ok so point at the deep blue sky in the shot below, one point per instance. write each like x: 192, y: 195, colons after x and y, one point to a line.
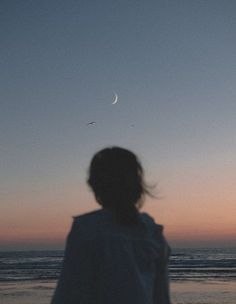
x: 172, y: 63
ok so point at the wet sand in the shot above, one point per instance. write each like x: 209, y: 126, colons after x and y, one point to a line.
x: 33, y: 292
x: 212, y: 292
x: 183, y: 292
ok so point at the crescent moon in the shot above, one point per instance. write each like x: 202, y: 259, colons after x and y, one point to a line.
x: 115, y: 99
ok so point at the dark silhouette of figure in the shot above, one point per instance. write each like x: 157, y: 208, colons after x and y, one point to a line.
x: 115, y: 255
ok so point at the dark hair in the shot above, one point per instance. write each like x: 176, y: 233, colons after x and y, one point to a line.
x: 116, y: 178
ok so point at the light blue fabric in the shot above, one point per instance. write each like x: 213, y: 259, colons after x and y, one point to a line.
x: 109, y: 263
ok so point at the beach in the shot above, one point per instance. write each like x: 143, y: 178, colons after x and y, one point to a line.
x: 190, y: 292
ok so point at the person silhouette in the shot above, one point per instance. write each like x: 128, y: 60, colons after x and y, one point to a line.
x: 115, y: 254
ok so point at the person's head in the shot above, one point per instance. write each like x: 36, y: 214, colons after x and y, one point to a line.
x: 116, y: 178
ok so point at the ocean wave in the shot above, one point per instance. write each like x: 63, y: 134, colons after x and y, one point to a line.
x: 185, y: 264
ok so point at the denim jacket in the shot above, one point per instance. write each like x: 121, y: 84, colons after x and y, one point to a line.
x: 109, y: 263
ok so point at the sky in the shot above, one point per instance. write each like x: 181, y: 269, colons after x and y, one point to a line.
x: 172, y: 64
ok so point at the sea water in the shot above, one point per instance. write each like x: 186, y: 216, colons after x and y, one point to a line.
x: 206, y: 275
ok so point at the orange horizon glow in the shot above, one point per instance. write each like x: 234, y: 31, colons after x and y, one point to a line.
x: 48, y: 232
x: 194, y: 210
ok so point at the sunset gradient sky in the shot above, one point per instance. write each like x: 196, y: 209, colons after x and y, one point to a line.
x: 173, y: 65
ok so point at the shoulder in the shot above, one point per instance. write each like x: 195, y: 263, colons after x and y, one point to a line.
x: 88, y: 223
x: 89, y: 216
x: 156, y: 231
x: 147, y: 219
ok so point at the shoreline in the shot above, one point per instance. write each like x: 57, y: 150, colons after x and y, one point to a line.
x: 182, y: 292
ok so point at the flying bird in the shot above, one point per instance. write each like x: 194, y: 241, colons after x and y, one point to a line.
x: 91, y: 123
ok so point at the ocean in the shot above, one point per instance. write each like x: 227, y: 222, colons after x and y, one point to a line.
x: 210, y: 273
